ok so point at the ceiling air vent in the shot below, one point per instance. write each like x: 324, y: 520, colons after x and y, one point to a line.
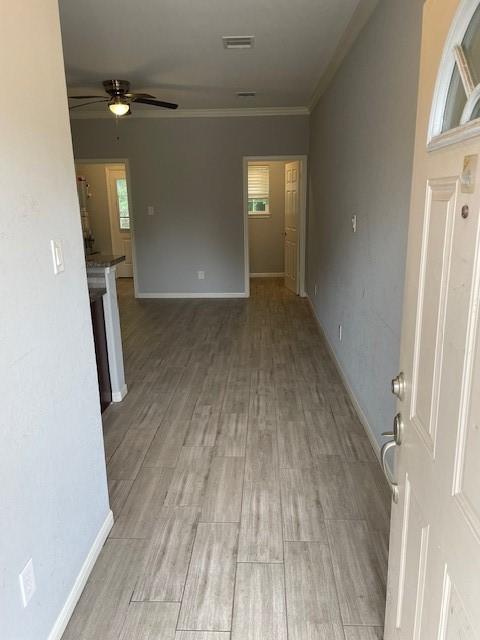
x: 246, y: 94
x: 238, y: 42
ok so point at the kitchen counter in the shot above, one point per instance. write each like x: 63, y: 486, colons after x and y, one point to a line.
x: 103, y: 260
x: 96, y: 293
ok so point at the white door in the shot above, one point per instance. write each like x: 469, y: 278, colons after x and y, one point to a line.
x: 434, y: 568
x: 120, y: 218
x: 292, y: 203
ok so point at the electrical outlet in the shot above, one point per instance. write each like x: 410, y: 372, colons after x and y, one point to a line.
x: 151, y: 210
x: 201, y: 275
x: 315, y: 289
x: 354, y: 223
x: 27, y: 583
x: 57, y: 256
x: 340, y: 332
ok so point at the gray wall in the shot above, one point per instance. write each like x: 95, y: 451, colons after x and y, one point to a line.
x: 53, y: 491
x: 265, y: 235
x: 190, y: 170
x: 361, y: 149
x: 98, y: 210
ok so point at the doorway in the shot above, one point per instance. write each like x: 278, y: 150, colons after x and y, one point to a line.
x: 275, y: 219
x: 105, y: 201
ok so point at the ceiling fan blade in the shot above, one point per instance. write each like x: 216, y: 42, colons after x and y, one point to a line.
x: 84, y: 97
x: 156, y: 103
x: 134, y: 96
x: 84, y: 104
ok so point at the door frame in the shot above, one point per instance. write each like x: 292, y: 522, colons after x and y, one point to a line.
x: 302, y: 221
x: 113, y: 210
x: 126, y: 163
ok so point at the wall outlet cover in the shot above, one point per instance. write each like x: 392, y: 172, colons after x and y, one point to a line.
x: 201, y: 275
x: 27, y: 583
x: 151, y: 210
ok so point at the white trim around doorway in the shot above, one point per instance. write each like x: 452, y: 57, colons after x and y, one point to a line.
x: 302, y: 236
x: 125, y: 162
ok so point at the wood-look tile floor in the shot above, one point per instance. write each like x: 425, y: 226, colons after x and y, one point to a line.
x: 248, y: 502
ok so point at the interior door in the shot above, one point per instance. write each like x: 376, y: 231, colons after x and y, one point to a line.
x: 120, y: 219
x: 434, y: 567
x: 292, y: 203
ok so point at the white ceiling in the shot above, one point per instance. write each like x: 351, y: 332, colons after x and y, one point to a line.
x: 173, y: 48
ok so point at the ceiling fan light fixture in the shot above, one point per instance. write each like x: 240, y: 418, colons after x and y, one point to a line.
x: 119, y: 106
x: 119, y: 98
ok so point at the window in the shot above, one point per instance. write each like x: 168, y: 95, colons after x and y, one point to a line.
x: 456, y: 105
x: 456, y: 102
x: 464, y: 85
x: 122, y: 199
x: 258, y: 190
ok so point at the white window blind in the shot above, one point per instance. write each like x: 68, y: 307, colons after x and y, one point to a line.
x: 259, y: 182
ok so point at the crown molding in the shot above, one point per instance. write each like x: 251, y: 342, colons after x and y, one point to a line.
x: 360, y: 17
x: 196, y: 113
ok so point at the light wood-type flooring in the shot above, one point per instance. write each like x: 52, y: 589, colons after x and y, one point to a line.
x: 248, y: 502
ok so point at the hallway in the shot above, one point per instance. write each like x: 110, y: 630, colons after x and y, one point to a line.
x: 248, y: 502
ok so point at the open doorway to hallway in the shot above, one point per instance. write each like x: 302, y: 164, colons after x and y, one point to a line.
x: 105, y: 205
x: 275, y: 219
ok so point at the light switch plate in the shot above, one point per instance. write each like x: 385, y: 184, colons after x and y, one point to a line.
x: 57, y: 256
x: 354, y: 223
x: 151, y: 210
x: 27, y: 582
x: 201, y: 275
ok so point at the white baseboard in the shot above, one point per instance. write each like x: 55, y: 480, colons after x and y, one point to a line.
x: 118, y: 396
x: 267, y: 275
x: 191, y: 295
x: 80, y: 581
x: 358, y: 409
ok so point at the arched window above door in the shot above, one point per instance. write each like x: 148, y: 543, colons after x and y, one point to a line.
x: 456, y: 105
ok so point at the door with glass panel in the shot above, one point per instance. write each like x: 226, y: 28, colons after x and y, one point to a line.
x: 292, y: 200
x: 434, y: 567
x: 120, y: 218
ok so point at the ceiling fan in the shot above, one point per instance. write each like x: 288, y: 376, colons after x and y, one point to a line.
x: 120, y: 98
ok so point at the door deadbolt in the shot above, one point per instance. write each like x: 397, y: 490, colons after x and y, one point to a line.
x: 398, y: 386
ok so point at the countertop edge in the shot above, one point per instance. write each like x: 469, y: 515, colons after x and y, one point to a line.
x: 101, y: 260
